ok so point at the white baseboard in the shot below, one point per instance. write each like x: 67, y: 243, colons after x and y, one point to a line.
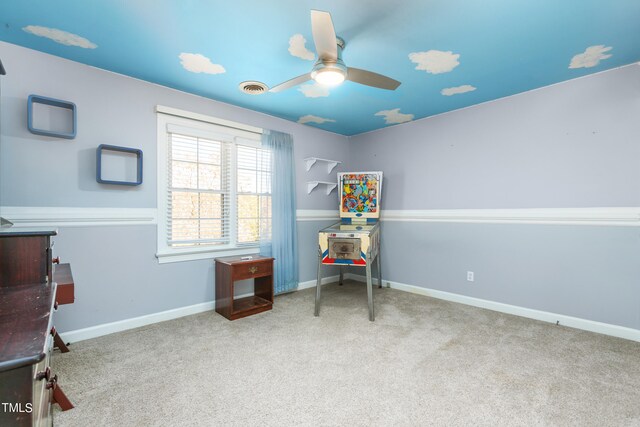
x: 572, y: 322
x: 312, y: 283
x: 545, y: 316
x: 135, y: 322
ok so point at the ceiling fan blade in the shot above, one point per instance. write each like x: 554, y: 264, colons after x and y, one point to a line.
x: 324, y: 35
x: 291, y: 83
x: 371, y: 79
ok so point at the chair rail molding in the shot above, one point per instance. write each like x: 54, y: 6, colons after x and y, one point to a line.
x: 31, y: 216
x: 611, y: 216
x: 316, y: 214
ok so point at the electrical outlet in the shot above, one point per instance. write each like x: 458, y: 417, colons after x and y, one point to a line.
x: 469, y: 276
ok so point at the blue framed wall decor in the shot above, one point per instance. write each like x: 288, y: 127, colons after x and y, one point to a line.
x: 36, y: 99
x: 99, y: 167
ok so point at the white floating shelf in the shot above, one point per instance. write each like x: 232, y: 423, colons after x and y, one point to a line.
x: 310, y: 161
x: 313, y: 184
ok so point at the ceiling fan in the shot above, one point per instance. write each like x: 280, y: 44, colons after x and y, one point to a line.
x: 329, y: 69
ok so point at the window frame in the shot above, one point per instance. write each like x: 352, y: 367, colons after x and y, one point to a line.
x: 222, y: 130
x: 237, y: 194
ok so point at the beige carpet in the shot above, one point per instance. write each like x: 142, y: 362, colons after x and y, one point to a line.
x: 422, y: 362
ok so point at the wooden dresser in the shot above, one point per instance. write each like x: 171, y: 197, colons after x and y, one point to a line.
x: 28, y: 296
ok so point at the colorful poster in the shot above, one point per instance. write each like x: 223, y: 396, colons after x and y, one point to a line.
x: 360, y: 194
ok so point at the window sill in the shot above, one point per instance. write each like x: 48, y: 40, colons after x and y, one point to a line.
x: 178, y: 255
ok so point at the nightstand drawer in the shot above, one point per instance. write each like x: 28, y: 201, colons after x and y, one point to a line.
x: 233, y: 268
x: 252, y: 269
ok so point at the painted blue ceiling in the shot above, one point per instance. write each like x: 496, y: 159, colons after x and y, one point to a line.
x: 448, y: 54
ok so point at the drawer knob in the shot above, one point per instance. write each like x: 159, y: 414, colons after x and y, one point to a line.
x: 53, y: 382
x: 253, y: 270
x: 44, y: 375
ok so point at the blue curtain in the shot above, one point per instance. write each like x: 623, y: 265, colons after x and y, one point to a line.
x: 283, y: 245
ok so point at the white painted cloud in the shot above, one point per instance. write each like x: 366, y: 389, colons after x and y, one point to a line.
x: 394, y: 116
x: 457, y: 90
x: 590, y: 57
x: 197, y: 63
x: 314, y: 90
x: 297, y: 47
x: 313, y: 119
x: 59, y: 36
x: 435, y: 61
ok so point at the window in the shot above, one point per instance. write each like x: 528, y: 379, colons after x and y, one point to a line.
x: 253, y: 194
x: 214, y: 189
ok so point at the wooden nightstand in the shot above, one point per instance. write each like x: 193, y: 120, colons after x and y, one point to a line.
x: 233, y: 268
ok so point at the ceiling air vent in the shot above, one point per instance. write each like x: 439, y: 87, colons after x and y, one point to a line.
x: 253, y: 88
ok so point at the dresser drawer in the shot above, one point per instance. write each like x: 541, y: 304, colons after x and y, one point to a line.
x: 252, y: 269
x: 62, y: 276
x: 65, y: 294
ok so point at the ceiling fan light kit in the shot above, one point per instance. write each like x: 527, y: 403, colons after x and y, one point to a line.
x: 329, y: 74
x: 330, y: 70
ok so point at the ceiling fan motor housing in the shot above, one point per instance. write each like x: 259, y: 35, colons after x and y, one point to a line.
x: 330, y: 65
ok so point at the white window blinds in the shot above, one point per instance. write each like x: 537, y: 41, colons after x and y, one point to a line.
x: 219, y: 190
x: 253, y: 194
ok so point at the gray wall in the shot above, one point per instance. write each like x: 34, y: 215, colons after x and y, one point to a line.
x: 586, y: 272
x: 117, y: 274
x: 571, y: 145
x: 118, y: 110
x: 575, y: 144
x: 118, y: 277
